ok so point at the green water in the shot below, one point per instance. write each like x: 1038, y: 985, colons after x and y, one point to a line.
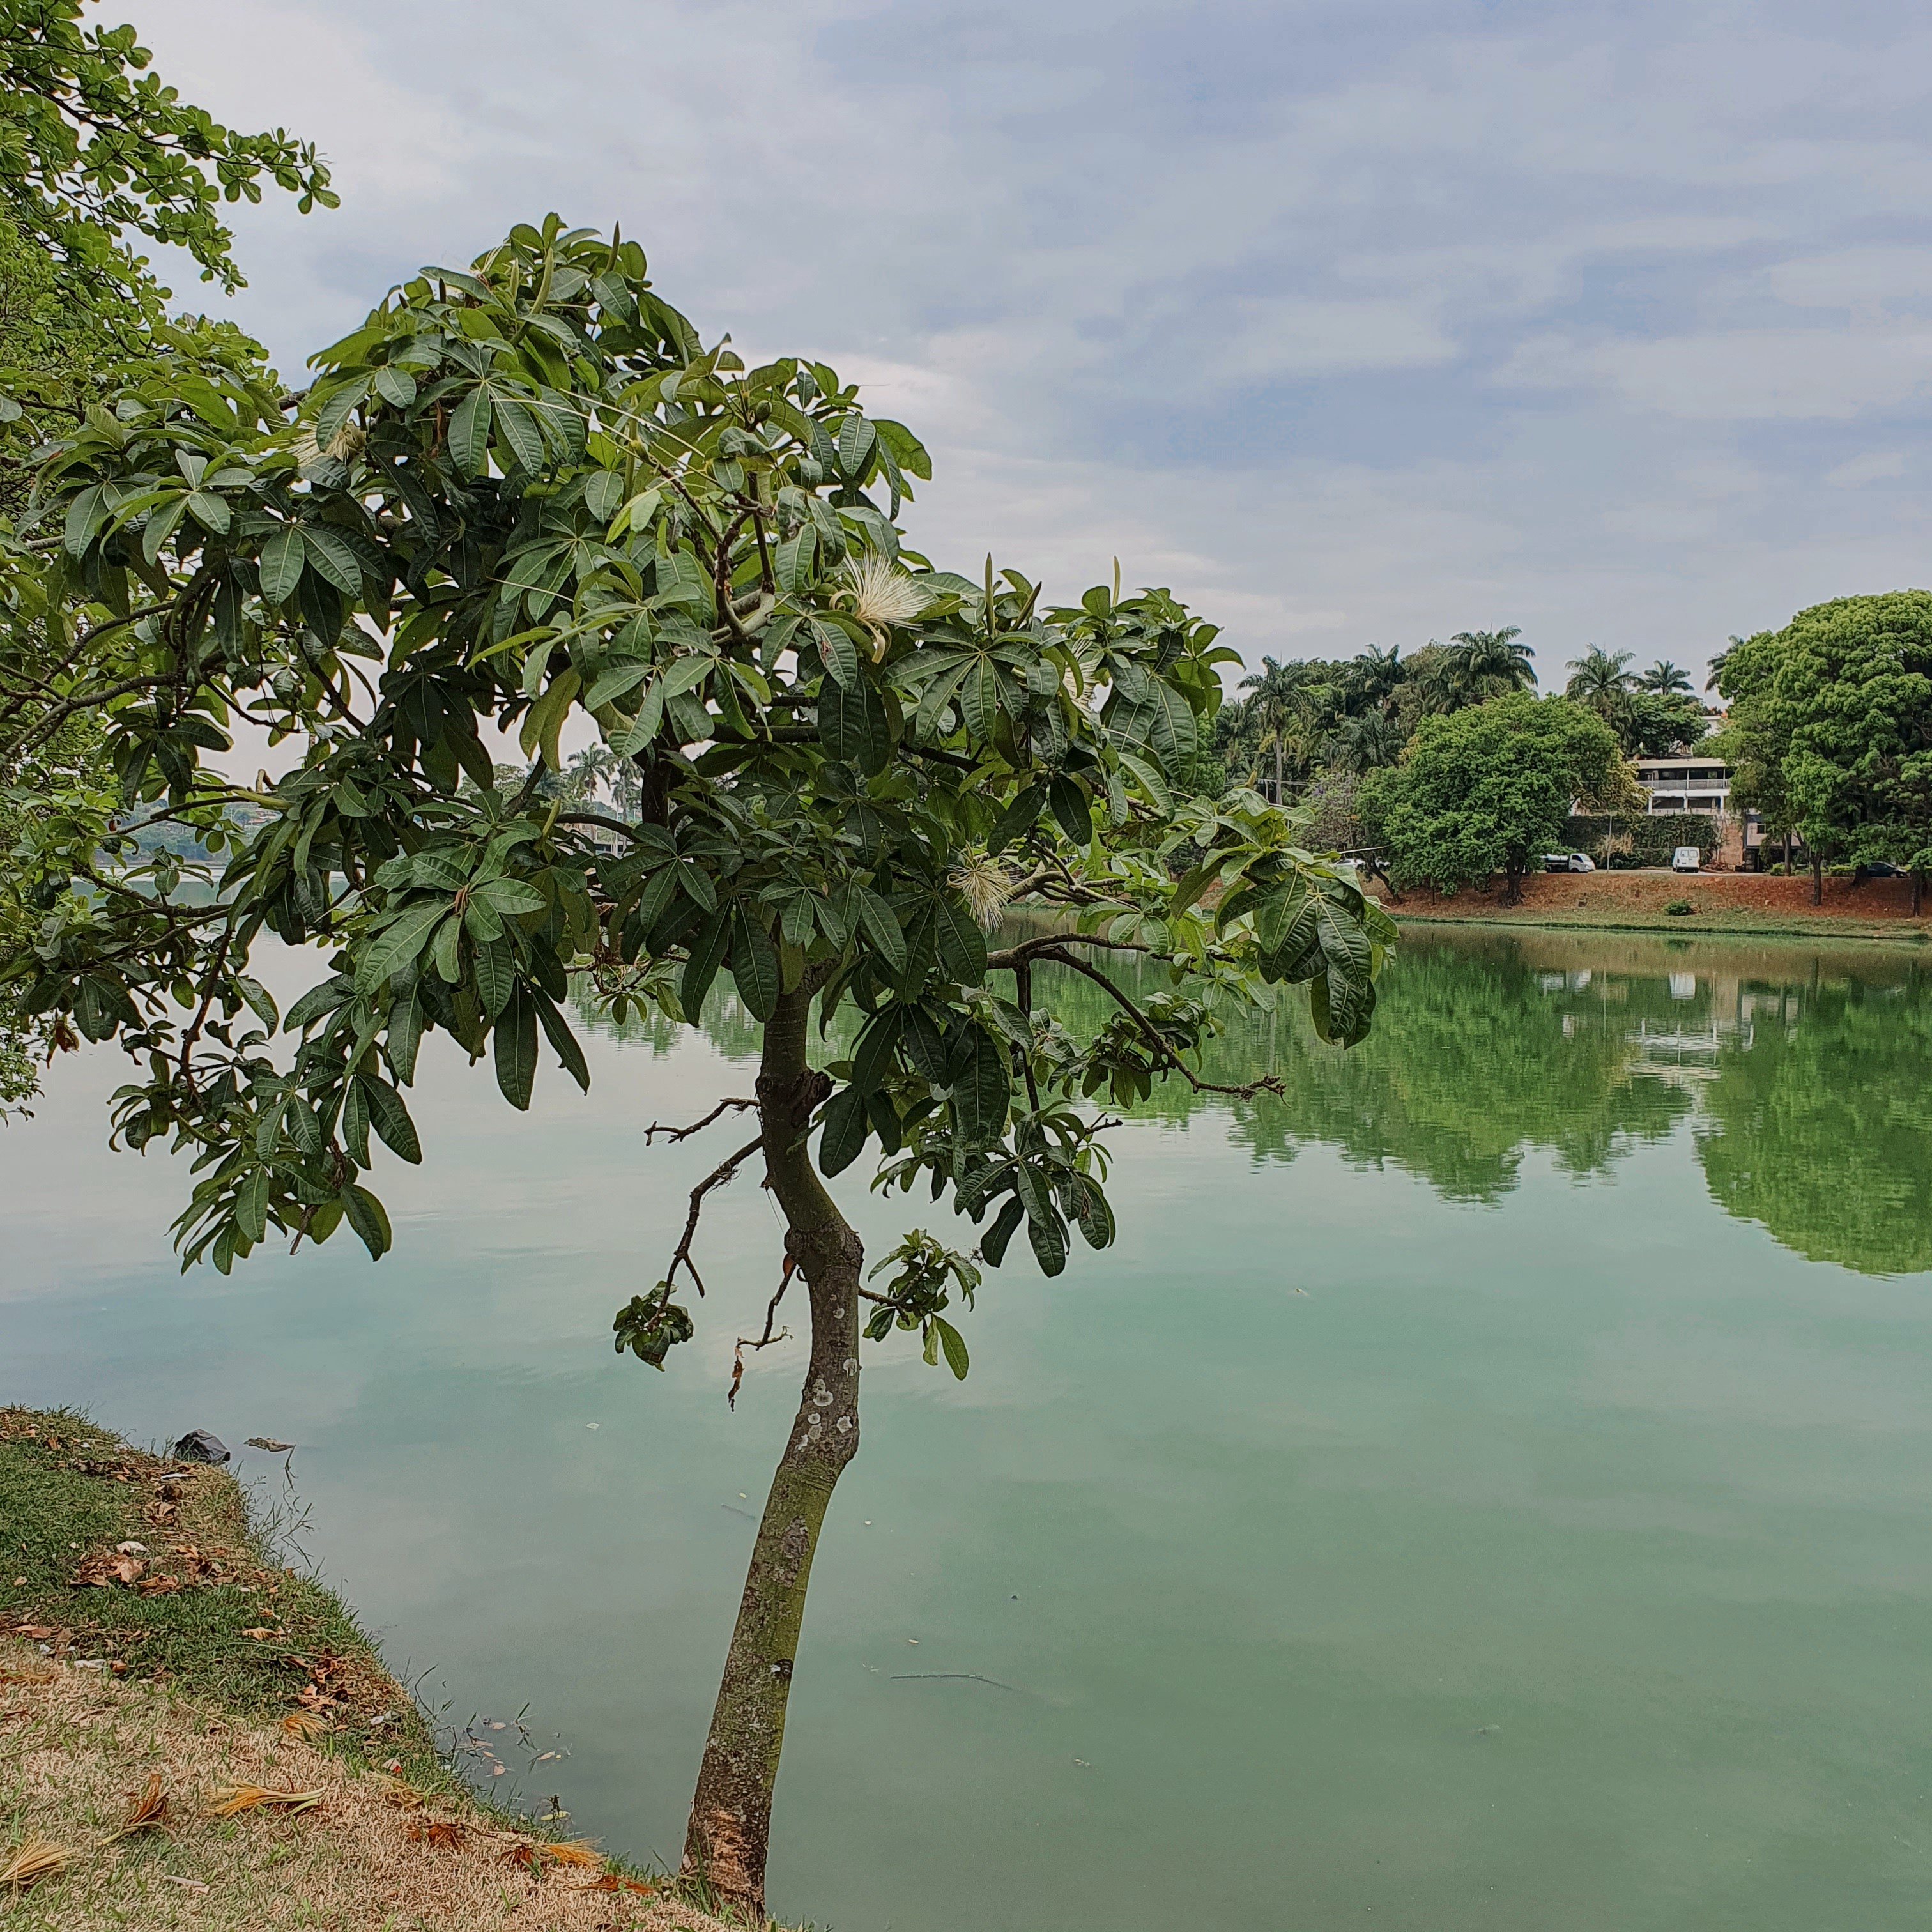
x: 1488, y: 1487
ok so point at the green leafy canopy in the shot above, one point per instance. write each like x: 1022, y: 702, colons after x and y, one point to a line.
x: 527, y: 496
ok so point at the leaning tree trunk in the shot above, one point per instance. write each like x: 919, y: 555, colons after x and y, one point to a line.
x: 726, y: 1840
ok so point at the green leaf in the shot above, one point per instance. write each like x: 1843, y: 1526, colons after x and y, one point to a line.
x: 510, y: 897
x: 334, y: 560
x: 251, y: 1205
x: 620, y: 681
x: 856, y: 438
x: 563, y: 1042
x: 282, y: 559
x: 397, y: 944
x: 853, y: 725
x: 396, y: 386
x: 1070, y: 807
x: 962, y: 946
x: 754, y: 966
x: 259, y: 1002
x: 1049, y: 1238
x: 391, y: 1120
x: 707, y: 955
x: 496, y: 975
x: 839, y: 654
x: 872, y: 1057
x: 1019, y: 818
x: 520, y: 435
x: 516, y: 1042
x: 982, y: 1090
x: 954, y: 1343
x: 365, y: 1215
x: 470, y: 433
x: 881, y: 927
x: 209, y: 511
x: 993, y: 1244
x: 846, y: 1129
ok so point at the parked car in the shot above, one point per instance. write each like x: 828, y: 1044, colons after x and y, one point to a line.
x: 1686, y: 858
x: 1880, y: 868
x: 1568, y: 862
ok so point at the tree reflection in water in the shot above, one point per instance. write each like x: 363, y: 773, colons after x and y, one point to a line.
x: 1802, y: 1072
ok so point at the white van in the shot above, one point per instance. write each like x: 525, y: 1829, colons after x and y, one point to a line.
x: 1685, y: 859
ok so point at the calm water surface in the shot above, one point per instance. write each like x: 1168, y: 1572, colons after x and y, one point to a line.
x: 1490, y: 1487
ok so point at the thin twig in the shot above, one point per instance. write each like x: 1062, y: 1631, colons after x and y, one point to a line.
x: 717, y: 1178
x: 765, y: 1340
x: 675, y: 1134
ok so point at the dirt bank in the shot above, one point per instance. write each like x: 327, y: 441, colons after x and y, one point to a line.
x: 192, y: 1735
x: 1719, y: 901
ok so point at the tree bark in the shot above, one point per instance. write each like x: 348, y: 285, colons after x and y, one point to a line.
x: 1817, y: 878
x: 729, y: 1833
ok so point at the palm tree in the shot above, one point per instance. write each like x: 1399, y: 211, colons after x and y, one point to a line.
x: 1376, y: 674
x: 1274, y: 708
x: 1601, y: 681
x: 1490, y: 663
x: 587, y: 770
x: 1664, y: 679
x: 1360, y: 744
x: 1717, y: 670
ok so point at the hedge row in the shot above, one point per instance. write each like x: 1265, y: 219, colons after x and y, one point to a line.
x: 1650, y: 840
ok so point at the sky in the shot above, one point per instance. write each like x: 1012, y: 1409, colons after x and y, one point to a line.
x: 1353, y: 321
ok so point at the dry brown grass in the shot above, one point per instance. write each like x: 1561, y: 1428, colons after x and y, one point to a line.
x: 79, y: 1749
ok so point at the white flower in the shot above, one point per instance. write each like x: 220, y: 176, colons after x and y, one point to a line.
x: 986, y: 886
x: 344, y: 445
x: 882, y: 595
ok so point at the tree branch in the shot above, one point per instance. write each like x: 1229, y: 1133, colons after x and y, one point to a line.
x: 723, y: 1172
x: 676, y: 1134
x: 1270, y: 1084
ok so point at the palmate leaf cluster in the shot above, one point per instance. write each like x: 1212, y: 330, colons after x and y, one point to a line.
x: 526, y: 496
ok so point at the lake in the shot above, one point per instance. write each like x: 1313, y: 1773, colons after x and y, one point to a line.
x: 1489, y: 1486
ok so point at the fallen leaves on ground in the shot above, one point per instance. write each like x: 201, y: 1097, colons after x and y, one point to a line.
x: 305, y: 1723
x: 37, y: 1859
x: 444, y: 1832
x: 229, y: 1799
x: 150, y: 1808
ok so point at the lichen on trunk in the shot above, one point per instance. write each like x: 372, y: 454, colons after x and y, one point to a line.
x: 728, y: 1837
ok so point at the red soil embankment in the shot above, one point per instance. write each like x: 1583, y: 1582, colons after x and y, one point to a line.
x: 1738, y: 900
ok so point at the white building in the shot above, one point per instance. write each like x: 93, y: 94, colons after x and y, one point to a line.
x: 1685, y: 785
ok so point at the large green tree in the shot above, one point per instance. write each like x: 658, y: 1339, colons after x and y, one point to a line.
x: 527, y: 497
x: 97, y: 152
x: 1487, y: 789
x: 1831, y: 723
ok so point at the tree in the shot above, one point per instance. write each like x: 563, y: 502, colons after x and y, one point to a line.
x: 1665, y: 679
x: 1490, y: 663
x: 1276, y: 708
x: 94, y: 149
x: 526, y: 492
x: 1487, y: 789
x: 1831, y: 720
x: 1601, y: 681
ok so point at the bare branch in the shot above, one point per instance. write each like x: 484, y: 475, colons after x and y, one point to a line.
x: 1013, y: 959
x: 765, y: 1340
x: 723, y: 1172
x: 675, y: 1134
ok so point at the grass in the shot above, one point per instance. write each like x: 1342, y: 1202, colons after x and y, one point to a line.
x: 201, y: 1676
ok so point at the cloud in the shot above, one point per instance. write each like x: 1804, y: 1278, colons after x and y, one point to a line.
x: 1878, y: 465
x: 1368, y: 323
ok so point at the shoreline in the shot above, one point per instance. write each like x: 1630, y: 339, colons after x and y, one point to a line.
x: 1679, y: 927
x: 154, y: 1651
